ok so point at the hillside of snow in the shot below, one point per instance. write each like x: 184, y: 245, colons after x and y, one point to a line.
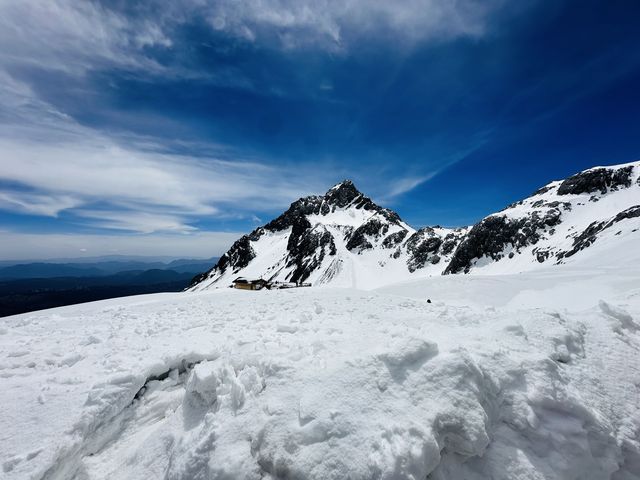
x: 564, y: 222
x: 343, y: 239
x: 528, y: 369
x: 526, y: 376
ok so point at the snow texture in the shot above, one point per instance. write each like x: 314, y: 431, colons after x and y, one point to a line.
x: 530, y: 376
x: 526, y: 370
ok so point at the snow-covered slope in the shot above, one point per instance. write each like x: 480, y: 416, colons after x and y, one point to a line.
x: 534, y: 375
x: 528, y: 376
x: 563, y: 222
x: 341, y: 238
x: 344, y: 239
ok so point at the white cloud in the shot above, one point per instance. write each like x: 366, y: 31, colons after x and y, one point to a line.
x: 50, y: 163
x: 78, y: 36
x: 334, y: 23
x: 404, y: 185
x: 135, y: 221
x: 140, y: 184
x: 37, y: 204
x: 16, y: 246
x: 73, y: 36
x: 96, y: 169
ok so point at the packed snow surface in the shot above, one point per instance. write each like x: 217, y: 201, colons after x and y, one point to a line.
x: 530, y: 376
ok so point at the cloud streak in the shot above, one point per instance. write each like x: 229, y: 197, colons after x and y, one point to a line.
x: 139, y: 184
x: 53, y: 165
x: 76, y: 37
x: 335, y: 24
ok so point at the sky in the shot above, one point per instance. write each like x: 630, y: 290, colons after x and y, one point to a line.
x: 171, y: 128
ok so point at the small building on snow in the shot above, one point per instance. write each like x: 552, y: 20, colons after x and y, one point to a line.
x: 245, y: 284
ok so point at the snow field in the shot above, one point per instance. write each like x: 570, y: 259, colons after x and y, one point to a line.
x: 331, y: 384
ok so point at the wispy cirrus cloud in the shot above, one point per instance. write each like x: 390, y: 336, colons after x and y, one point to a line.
x: 74, y: 36
x: 50, y: 164
x: 77, y: 37
x: 53, y: 164
x: 48, y: 205
x: 336, y: 24
x: 138, y: 184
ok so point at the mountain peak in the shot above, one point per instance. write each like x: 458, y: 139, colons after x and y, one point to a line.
x: 344, y: 238
x: 343, y: 193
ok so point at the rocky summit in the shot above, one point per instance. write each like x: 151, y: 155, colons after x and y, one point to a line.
x: 343, y: 238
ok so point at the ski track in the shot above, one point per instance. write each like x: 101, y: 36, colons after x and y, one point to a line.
x: 488, y: 381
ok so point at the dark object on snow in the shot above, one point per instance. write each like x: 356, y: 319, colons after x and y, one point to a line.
x: 244, y: 284
x: 428, y: 300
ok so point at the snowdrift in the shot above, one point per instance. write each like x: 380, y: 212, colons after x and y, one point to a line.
x: 496, y: 378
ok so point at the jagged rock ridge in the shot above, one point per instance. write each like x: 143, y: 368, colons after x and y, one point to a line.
x: 343, y: 238
x: 323, y: 238
x: 556, y: 222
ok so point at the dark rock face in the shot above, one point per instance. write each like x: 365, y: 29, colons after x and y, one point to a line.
x: 299, y: 226
x: 371, y: 228
x: 342, y: 195
x: 541, y: 255
x: 489, y: 237
x: 590, y: 234
x: 492, y: 235
x: 345, y: 193
x: 239, y: 255
x: 542, y: 190
x: 554, y: 204
x: 308, y: 245
x: 428, y: 246
x: 301, y: 207
x: 199, y: 278
x: 422, y: 247
x: 394, y: 239
x: 236, y: 258
x: 308, y: 250
x: 450, y: 242
x: 597, y: 180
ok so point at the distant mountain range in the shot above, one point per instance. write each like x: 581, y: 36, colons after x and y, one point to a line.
x: 99, y: 267
x: 26, y: 287
x: 343, y: 238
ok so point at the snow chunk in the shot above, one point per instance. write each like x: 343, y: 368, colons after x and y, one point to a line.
x: 204, y: 381
x: 623, y: 321
x: 409, y: 353
x: 282, y: 328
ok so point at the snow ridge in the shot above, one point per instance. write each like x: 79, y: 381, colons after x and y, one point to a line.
x: 344, y: 239
x: 341, y: 238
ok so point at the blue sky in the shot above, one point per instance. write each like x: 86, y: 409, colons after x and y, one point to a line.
x: 168, y: 128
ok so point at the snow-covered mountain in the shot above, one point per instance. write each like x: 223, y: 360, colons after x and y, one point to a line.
x: 343, y: 238
x: 556, y: 224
